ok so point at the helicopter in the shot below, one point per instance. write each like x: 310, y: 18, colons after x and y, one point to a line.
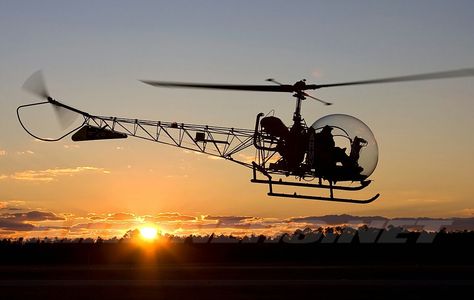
x: 336, y: 153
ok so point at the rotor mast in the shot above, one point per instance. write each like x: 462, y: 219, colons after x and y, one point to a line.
x: 300, y: 96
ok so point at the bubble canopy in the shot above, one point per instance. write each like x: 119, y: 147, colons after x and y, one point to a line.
x: 345, y: 129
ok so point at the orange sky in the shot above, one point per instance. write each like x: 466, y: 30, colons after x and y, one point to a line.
x: 93, y: 58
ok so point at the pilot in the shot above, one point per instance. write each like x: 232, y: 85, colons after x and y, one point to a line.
x: 327, y: 155
x: 332, y: 160
x: 324, y: 147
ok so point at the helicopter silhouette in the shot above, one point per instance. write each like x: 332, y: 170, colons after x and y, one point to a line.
x: 336, y: 151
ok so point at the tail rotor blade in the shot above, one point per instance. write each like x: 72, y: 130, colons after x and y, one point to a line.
x: 36, y: 85
x: 64, y: 116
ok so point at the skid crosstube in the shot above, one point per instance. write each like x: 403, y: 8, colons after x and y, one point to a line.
x: 362, y: 185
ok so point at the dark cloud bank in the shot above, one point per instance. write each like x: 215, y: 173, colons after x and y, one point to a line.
x: 34, y: 220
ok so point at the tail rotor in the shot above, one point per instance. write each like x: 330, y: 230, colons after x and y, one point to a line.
x: 36, y: 85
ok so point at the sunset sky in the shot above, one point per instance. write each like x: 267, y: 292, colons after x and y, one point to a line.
x: 94, y: 52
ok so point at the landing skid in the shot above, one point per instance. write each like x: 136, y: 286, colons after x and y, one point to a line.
x: 331, y: 187
x: 330, y: 199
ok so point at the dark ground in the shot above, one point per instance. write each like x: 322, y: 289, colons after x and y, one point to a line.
x: 438, y: 270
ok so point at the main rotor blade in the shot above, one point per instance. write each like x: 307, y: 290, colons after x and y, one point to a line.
x: 426, y: 76
x: 317, y: 99
x: 36, y: 85
x: 261, y: 88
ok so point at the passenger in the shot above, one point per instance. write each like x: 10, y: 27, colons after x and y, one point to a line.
x: 356, y: 146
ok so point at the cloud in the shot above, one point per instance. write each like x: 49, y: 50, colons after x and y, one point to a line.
x: 93, y: 216
x: 32, y: 216
x: 121, y: 217
x: 336, y: 220
x: 229, y: 224
x: 100, y: 225
x: 32, y: 176
x: 35, y: 223
x: 3, y: 152
x: 6, y: 224
x: 169, y: 217
x: 20, y: 221
x: 3, y: 176
x: 214, y: 157
x: 467, y: 212
x: 227, y: 219
x: 51, y: 174
x: 6, y: 232
x: 12, y: 205
x: 27, y: 152
x: 461, y: 224
x: 246, y: 157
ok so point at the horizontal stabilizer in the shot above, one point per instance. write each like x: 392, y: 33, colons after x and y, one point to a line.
x: 92, y: 133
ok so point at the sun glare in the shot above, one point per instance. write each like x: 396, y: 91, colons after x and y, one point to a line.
x: 148, y: 233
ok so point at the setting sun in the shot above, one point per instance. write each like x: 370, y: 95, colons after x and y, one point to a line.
x: 149, y: 233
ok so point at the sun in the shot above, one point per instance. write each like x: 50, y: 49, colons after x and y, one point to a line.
x: 149, y: 233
